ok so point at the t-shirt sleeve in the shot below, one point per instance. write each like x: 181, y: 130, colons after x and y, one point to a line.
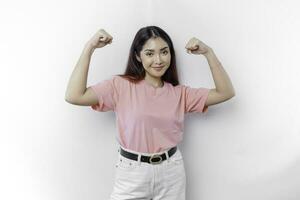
x: 195, y: 99
x: 107, y: 93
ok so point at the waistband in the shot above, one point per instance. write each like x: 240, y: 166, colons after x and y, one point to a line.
x: 152, y: 158
x: 143, y: 153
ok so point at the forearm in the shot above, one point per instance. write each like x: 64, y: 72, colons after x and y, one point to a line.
x: 221, y: 79
x: 78, y: 80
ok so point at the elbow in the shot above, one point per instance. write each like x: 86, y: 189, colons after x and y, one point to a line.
x: 232, y: 95
x: 226, y: 94
x: 67, y: 98
x: 70, y: 99
x: 73, y: 98
x: 229, y: 96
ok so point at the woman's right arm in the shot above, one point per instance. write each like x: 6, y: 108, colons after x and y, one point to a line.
x: 76, y: 92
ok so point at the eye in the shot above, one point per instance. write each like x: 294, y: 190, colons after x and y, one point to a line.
x: 166, y: 52
x: 148, y: 54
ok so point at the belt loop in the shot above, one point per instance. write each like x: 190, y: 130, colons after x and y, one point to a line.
x: 139, y: 159
x: 167, y: 155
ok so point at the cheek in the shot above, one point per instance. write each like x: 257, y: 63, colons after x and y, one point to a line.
x: 168, y: 58
x: 147, y: 62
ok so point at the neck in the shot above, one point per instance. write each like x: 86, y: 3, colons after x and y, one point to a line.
x: 156, y: 82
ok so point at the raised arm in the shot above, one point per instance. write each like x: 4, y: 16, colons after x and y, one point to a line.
x: 76, y: 92
x: 224, y: 89
x: 77, y: 82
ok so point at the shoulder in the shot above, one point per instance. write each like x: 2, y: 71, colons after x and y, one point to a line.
x: 118, y: 78
x: 175, y: 89
x: 121, y: 83
x: 188, y: 90
x: 179, y: 87
x: 186, y: 87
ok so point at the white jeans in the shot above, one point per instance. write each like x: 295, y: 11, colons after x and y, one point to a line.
x: 144, y: 181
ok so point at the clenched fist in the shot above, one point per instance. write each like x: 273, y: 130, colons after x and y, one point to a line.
x: 100, y: 39
x: 195, y: 46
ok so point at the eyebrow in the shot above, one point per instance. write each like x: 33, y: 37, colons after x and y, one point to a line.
x: 153, y: 50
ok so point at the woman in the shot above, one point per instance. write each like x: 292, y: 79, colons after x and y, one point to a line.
x: 150, y: 105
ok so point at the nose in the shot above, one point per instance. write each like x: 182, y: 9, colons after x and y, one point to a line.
x: 157, y: 60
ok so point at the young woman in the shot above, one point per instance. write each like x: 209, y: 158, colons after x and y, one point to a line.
x: 150, y: 105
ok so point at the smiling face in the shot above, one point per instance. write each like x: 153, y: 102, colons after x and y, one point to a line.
x: 155, y: 57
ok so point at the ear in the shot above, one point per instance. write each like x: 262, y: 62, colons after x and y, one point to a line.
x: 138, y: 58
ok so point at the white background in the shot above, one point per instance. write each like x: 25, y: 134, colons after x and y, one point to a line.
x: 245, y: 148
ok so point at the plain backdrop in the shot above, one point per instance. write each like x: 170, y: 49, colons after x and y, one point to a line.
x: 245, y: 148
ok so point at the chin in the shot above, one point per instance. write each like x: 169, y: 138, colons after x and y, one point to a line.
x: 157, y: 75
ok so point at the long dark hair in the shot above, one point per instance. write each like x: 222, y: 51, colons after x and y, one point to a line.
x: 134, y: 71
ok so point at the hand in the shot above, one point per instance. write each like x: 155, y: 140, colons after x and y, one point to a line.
x: 195, y: 46
x: 100, y: 39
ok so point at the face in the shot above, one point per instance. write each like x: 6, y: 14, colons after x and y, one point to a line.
x: 155, y: 57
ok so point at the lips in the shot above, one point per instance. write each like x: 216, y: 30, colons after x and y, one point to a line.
x: 158, y: 67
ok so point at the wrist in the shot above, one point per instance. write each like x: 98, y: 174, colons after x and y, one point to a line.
x: 209, y: 52
x: 89, y: 48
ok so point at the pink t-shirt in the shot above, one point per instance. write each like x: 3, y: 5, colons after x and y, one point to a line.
x: 148, y: 119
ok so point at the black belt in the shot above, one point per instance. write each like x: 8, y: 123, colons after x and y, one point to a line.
x: 154, y: 159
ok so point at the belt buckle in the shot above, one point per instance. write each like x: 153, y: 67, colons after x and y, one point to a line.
x: 155, y: 156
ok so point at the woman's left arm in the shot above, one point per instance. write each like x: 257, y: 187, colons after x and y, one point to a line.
x: 224, y: 89
x: 221, y: 79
